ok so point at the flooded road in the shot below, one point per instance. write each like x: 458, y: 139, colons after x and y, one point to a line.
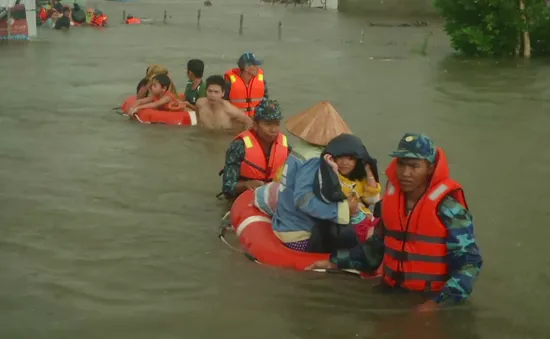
x: 108, y: 228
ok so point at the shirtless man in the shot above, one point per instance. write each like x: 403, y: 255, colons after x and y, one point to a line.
x: 216, y: 113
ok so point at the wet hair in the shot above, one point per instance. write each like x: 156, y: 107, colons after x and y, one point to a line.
x: 142, y: 83
x: 163, y: 80
x: 215, y: 80
x: 196, y: 66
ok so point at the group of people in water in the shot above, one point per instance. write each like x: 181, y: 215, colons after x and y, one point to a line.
x: 324, y: 193
x: 221, y: 102
x: 58, y: 16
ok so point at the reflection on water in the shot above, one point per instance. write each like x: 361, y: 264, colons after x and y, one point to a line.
x: 109, y: 227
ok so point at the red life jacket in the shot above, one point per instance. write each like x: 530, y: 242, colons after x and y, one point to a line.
x: 173, y: 105
x: 43, y: 14
x: 99, y: 20
x: 415, y: 255
x: 256, y: 165
x: 246, y: 97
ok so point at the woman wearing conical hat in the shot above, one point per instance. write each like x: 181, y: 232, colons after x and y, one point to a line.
x: 312, y: 193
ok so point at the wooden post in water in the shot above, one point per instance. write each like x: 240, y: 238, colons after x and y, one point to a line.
x: 362, y: 34
x: 279, y: 30
x: 199, y: 17
x: 241, y: 24
x: 9, y: 22
x: 164, y: 16
x: 124, y: 16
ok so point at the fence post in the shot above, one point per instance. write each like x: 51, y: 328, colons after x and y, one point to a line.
x: 241, y: 24
x: 9, y: 22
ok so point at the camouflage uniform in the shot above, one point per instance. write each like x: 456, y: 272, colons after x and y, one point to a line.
x: 463, y: 253
x: 266, y: 111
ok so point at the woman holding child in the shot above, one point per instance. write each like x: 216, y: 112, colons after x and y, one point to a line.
x: 324, y: 192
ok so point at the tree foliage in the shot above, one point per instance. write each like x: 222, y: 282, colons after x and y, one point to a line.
x: 495, y: 27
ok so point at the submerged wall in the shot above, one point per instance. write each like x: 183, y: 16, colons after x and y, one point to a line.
x: 419, y: 8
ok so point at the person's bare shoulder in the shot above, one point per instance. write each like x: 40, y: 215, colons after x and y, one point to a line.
x: 231, y: 109
x: 201, y: 102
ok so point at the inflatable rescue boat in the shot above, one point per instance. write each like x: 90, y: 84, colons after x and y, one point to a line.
x: 154, y: 116
x: 253, y: 228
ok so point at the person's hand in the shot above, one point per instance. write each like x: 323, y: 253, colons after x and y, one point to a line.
x: 354, y: 205
x: 330, y: 161
x: 185, y: 103
x: 253, y: 184
x: 369, y: 171
x: 321, y: 264
x: 132, y: 111
x: 428, y: 306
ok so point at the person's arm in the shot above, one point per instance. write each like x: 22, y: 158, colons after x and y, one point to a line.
x: 227, y: 89
x: 231, y: 187
x: 237, y: 114
x: 465, y: 258
x: 365, y: 257
x: 155, y: 104
x: 142, y: 101
x: 306, y: 201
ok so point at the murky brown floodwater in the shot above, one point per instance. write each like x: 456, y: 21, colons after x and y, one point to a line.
x: 108, y: 228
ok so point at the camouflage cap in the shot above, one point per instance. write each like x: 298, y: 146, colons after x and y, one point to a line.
x: 415, y: 146
x: 268, y: 110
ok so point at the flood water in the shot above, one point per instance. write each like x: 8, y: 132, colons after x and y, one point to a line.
x: 108, y: 228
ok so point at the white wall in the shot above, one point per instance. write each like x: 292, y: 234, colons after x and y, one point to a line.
x: 331, y: 4
x: 30, y: 6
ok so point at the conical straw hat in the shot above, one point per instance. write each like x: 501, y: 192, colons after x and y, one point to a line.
x: 318, y: 124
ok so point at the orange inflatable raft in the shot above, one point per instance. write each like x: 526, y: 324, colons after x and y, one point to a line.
x: 154, y: 116
x: 253, y: 228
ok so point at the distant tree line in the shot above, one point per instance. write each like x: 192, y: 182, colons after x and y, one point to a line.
x: 497, y: 27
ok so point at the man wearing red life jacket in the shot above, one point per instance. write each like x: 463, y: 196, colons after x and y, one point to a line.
x: 245, y: 86
x: 425, y: 240
x: 255, y: 156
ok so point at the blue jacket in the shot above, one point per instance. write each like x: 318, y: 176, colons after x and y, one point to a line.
x: 298, y: 208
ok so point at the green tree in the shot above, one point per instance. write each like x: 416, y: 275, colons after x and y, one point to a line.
x: 497, y: 27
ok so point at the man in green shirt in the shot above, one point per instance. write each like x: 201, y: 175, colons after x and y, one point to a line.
x: 195, y: 87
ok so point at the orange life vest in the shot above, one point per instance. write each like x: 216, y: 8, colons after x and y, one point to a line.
x: 256, y: 165
x: 43, y: 14
x: 133, y: 21
x: 99, y: 20
x: 415, y: 255
x: 246, y: 97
